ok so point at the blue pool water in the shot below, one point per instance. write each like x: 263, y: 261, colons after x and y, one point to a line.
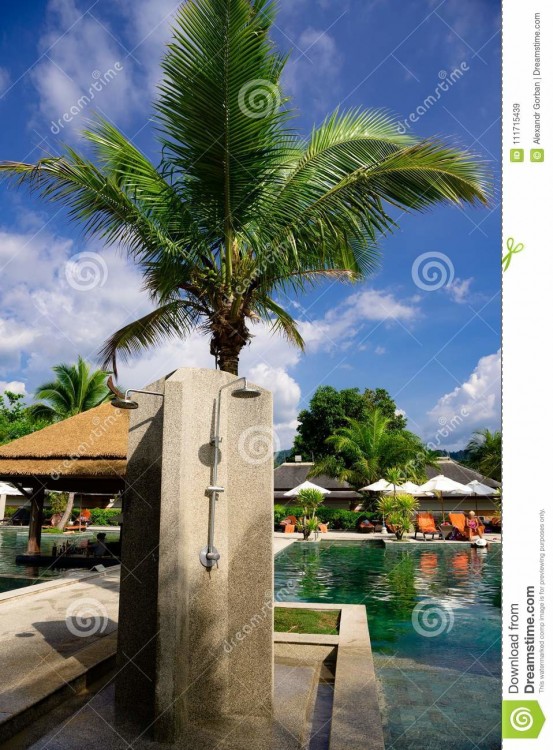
x: 14, y: 542
x: 434, y: 620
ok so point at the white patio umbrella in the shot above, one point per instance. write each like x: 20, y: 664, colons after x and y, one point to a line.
x: 481, y: 490
x: 441, y: 484
x: 7, y: 489
x: 295, y: 491
x: 381, y: 486
x: 411, y: 488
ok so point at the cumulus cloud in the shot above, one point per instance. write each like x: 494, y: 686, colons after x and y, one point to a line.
x: 473, y: 405
x: 15, y: 386
x: 314, y: 68
x: 76, y: 54
x: 286, y: 395
x: 338, y: 329
x: 89, y: 64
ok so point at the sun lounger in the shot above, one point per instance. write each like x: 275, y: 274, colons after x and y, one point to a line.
x: 364, y: 526
x: 460, y: 521
x: 425, y: 524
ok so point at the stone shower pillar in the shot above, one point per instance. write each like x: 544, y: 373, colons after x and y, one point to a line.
x: 195, y: 644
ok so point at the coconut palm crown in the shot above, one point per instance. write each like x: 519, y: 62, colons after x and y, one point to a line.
x: 240, y: 209
x: 76, y: 388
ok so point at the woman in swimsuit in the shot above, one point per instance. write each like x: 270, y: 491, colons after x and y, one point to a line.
x: 474, y: 526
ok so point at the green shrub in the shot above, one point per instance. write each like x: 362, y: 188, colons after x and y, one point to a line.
x: 280, y: 511
x: 10, y: 511
x: 104, y: 516
x: 336, y: 518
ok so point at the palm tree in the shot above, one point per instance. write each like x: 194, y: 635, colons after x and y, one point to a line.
x: 75, y: 389
x: 365, y: 451
x: 484, y: 453
x: 240, y: 207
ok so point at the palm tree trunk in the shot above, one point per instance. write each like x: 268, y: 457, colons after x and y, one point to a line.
x: 228, y: 361
x: 67, y: 512
x: 227, y: 342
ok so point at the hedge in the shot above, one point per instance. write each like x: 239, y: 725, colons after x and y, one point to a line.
x: 337, y: 518
x: 105, y: 516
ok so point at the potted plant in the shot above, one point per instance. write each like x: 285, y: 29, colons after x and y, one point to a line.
x: 398, y: 511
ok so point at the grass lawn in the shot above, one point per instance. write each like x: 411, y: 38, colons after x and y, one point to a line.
x: 306, y: 621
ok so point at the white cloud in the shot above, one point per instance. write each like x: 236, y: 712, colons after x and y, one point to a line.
x: 473, y: 405
x: 380, y: 350
x: 286, y: 395
x: 339, y: 327
x: 77, y: 52
x: 15, y: 386
x: 4, y: 79
x: 459, y: 290
x: 89, y: 64
x: 314, y: 69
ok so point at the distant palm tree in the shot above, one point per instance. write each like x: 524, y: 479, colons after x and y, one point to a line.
x: 75, y: 389
x: 241, y: 207
x: 366, y: 451
x: 484, y: 453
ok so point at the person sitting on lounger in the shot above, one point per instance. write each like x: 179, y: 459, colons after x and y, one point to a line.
x: 99, y: 548
x: 473, y: 524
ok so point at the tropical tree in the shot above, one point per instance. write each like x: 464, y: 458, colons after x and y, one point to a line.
x: 484, y: 453
x: 240, y: 207
x: 15, y: 418
x: 330, y: 409
x: 365, y: 451
x: 75, y: 389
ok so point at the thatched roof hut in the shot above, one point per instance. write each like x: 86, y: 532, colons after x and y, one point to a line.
x: 87, y: 452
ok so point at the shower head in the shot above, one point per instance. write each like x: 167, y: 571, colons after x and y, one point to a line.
x: 246, y: 391
x: 122, y: 400
x: 124, y: 403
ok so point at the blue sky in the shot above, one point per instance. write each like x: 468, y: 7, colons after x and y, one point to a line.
x: 432, y: 341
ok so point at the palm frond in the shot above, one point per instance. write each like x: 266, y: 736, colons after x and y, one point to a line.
x: 173, y: 320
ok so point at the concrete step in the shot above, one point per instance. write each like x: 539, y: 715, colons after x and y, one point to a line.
x: 295, y: 691
x: 53, y: 681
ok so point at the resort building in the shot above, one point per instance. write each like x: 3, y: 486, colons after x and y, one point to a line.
x: 343, y: 495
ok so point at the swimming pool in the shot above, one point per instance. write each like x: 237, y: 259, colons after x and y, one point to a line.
x: 13, y: 542
x: 434, y: 620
